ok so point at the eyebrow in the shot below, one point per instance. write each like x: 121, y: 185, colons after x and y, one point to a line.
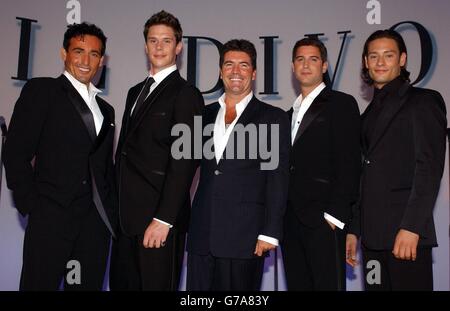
x: 388, y: 51
x: 304, y: 56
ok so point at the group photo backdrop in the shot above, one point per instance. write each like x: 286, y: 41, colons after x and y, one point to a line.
x: 273, y: 26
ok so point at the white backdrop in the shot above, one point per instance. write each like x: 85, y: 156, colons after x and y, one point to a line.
x: 290, y: 20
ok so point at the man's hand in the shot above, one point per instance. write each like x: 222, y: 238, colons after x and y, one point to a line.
x: 262, y: 247
x: 155, y: 235
x: 332, y: 225
x: 405, y: 246
x: 351, y: 244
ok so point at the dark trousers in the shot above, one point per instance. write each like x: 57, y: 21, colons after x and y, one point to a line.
x: 136, y: 268
x: 384, y: 272
x: 209, y: 273
x: 70, y: 244
x: 314, y: 258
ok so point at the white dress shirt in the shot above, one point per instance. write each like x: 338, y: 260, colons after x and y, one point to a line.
x: 88, y: 96
x: 222, y: 133
x: 300, y: 107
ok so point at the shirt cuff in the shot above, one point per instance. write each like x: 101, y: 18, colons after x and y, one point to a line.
x: 163, y: 222
x: 334, y: 221
x: 268, y: 239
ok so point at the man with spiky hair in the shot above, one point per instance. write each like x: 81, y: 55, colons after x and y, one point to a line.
x: 403, y: 139
x: 153, y: 185
x: 59, y: 166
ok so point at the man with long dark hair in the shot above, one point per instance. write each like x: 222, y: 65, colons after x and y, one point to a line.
x: 403, y: 139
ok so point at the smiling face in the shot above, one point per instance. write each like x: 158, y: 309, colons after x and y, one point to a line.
x: 161, y: 47
x: 384, y: 61
x: 237, y: 74
x: 83, y: 57
x: 308, y: 67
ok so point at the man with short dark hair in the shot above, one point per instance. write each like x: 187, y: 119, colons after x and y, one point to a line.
x: 153, y: 184
x: 58, y: 161
x: 324, y: 175
x: 238, y: 208
x: 403, y: 136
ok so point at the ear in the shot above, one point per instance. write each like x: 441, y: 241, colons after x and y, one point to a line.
x: 146, y: 48
x: 179, y: 47
x: 324, y: 67
x: 63, y: 54
x: 293, y: 68
x: 101, y: 61
x: 254, y: 75
x: 366, y: 62
x: 403, y: 59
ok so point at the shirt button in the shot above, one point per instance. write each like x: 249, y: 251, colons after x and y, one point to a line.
x: 84, y: 182
x: 367, y: 162
x: 217, y: 172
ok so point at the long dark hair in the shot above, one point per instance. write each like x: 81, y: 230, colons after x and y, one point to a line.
x: 390, y: 34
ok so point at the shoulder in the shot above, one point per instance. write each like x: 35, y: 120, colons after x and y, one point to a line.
x: 41, y: 83
x: 271, y: 111
x: 425, y: 98
x: 342, y: 101
x: 422, y: 93
x: 341, y: 97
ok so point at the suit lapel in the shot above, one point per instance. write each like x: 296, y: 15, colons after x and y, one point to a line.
x: 393, y: 103
x: 80, y: 106
x: 107, y: 124
x: 314, y: 110
x: 150, y: 100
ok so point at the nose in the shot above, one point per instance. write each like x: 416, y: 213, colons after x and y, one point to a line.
x: 85, y: 59
x: 305, y: 64
x: 235, y: 69
x: 380, y: 61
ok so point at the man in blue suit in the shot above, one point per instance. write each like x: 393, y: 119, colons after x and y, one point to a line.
x: 239, y: 205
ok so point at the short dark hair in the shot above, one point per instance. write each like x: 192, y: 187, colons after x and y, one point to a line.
x: 240, y: 45
x: 311, y: 42
x: 164, y: 18
x: 379, y: 34
x: 77, y: 30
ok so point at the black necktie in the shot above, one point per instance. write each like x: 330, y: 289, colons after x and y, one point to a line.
x: 143, y: 95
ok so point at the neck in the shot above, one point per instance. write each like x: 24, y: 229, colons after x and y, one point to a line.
x: 306, y: 90
x: 232, y: 100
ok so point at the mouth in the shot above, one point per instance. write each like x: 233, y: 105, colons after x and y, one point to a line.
x: 236, y: 79
x: 380, y: 71
x: 84, y: 70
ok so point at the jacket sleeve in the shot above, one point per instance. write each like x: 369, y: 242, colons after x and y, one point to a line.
x: 277, y: 178
x: 22, y: 142
x: 346, y: 153
x: 180, y: 172
x: 429, y: 130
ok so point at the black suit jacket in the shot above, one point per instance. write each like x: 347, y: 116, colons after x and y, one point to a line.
x: 235, y: 200
x: 49, y: 125
x: 152, y: 183
x: 325, y: 160
x: 402, y: 168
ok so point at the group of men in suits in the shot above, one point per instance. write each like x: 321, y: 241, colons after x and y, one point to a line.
x: 59, y: 164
